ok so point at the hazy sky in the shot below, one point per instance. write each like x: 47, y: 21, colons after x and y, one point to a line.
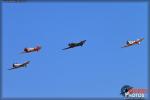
x: 98, y: 69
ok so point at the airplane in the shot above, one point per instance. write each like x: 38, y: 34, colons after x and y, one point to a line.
x: 72, y: 45
x: 28, y: 50
x: 133, y: 42
x: 17, y: 65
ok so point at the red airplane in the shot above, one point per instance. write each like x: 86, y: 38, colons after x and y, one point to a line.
x: 28, y: 50
x: 133, y: 42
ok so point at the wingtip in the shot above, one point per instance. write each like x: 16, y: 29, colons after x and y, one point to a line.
x: 63, y: 49
x: 10, y: 69
x: 22, y: 52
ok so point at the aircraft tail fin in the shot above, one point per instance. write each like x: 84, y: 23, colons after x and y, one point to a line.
x: 39, y: 47
x: 81, y: 44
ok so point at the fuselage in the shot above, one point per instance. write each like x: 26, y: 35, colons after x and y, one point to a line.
x: 17, y: 65
x: 133, y: 42
x: 32, y: 49
x: 29, y: 49
x: 76, y: 44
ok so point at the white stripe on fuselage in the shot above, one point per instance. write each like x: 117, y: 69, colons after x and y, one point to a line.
x: 17, y: 65
x: 30, y: 49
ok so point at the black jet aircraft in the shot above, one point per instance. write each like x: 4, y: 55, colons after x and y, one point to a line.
x: 72, y: 45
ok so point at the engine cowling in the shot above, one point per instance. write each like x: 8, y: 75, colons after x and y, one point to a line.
x: 25, y: 49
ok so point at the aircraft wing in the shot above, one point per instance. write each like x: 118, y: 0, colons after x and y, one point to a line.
x: 22, y: 52
x: 66, y: 48
x: 13, y: 68
x: 125, y: 46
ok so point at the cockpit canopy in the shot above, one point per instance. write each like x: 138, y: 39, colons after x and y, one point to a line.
x: 130, y: 42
